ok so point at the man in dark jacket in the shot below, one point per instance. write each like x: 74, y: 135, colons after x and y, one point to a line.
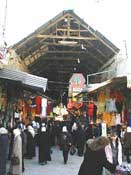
x: 81, y: 139
x: 95, y: 158
x: 4, y: 144
x: 127, y: 143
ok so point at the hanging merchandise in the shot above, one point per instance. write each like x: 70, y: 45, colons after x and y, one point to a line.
x: 104, y: 129
x: 90, y: 109
x: 44, y: 107
x: 118, y: 119
x: 38, y: 101
x: 101, y: 102
x: 106, y: 117
x: 111, y: 106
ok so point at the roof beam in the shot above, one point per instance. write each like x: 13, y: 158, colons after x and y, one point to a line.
x: 71, y: 30
x: 35, y: 55
x: 66, y: 51
x: 66, y: 37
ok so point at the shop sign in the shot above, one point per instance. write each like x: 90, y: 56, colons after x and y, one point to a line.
x: 77, y: 83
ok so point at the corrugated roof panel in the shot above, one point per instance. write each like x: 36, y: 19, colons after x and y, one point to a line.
x: 25, y: 78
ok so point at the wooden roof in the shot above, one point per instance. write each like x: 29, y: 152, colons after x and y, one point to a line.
x: 64, y: 45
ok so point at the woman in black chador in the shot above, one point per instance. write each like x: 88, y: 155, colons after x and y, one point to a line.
x: 44, y: 146
x: 30, y: 149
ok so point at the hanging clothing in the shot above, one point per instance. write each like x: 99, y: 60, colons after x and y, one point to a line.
x: 113, y: 120
x: 106, y: 117
x: 101, y: 102
x: 38, y: 100
x: 103, y: 129
x: 111, y: 106
x: 48, y: 110
x: 44, y: 107
x: 107, y: 105
x: 90, y: 109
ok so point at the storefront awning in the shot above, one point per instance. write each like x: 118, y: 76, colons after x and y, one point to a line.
x: 25, y: 78
x: 93, y: 87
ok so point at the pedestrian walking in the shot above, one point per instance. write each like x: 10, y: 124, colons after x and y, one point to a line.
x: 95, y: 158
x: 4, y: 145
x: 81, y: 139
x: 24, y: 144
x: 16, y: 157
x: 30, y: 142
x: 113, y: 151
x: 44, y: 146
x: 127, y: 144
x: 65, y: 143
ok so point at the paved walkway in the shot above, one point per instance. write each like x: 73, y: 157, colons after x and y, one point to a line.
x: 54, y: 167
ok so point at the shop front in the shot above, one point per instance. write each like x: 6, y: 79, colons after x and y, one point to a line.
x: 21, y: 97
x: 110, y: 103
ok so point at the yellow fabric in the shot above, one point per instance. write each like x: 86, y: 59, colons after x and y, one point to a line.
x: 101, y: 102
x: 102, y: 97
x: 106, y: 118
x: 100, y: 107
x: 113, y: 120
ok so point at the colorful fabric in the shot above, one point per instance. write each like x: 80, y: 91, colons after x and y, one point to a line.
x: 106, y: 117
x: 38, y: 105
x: 90, y: 109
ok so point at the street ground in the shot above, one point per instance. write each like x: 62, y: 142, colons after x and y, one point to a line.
x: 54, y: 167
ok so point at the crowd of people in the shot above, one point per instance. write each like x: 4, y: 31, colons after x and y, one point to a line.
x: 72, y: 136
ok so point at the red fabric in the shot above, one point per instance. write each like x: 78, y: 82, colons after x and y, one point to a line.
x: 90, y: 109
x: 48, y: 110
x: 38, y: 100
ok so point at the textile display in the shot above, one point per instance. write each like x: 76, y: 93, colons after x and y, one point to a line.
x: 106, y: 117
x: 44, y: 106
x: 104, y: 129
x: 101, y: 102
x: 38, y: 101
x: 90, y: 109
